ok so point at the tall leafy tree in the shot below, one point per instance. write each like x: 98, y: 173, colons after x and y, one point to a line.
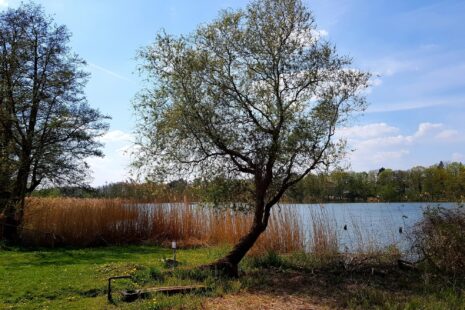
x: 47, y: 128
x: 257, y: 93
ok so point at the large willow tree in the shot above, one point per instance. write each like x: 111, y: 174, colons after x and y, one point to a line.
x: 257, y: 94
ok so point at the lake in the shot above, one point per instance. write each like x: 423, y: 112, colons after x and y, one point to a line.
x: 357, y: 227
x: 365, y: 226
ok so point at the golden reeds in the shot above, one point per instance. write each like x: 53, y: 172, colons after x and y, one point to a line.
x: 90, y: 222
x: 324, y: 239
x: 87, y: 222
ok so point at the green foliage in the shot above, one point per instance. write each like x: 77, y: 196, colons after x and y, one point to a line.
x: 444, y: 182
x: 255, y: 94
x: 156, y: 274
x: 269, y: 259
x: 388, y: 185
x: 440, y: 239
x: 222, y: 192
x: 47, y: 128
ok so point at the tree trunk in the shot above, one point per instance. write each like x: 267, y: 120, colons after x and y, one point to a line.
x: 228, y: 265
x: 10, y: 222
x: 10, y: 227
x: 14, y: 206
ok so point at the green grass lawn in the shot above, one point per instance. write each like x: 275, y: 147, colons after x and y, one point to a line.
x: 77, y: 278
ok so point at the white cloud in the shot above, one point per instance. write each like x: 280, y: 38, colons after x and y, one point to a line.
x: 448, y: 134
x: 375, y: 145
x: 320, y: 33
x: 308, y: 37
x: 116, y: 136
x: 425, y: 128
x: 114, y: 167
x: 367, y: 131
x: 379, y: 144
x: 383, y: 156
x: 3, y: 3
x: 111, y: 168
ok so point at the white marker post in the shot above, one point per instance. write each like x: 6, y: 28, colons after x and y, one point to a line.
x: 173, y: 246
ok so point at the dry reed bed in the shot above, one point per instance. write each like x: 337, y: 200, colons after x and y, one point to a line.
x: 89, y: 222
x: 324, y: 239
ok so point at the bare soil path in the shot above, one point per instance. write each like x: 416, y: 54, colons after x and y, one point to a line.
x: 261, y: 301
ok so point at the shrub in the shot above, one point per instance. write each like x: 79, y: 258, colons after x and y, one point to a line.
x: 440, y: 239
x: 269, y: 259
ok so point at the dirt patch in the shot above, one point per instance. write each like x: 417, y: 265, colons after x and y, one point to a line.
x: 259, y: 301
x: 325, y: 288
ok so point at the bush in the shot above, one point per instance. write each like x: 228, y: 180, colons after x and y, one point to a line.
x: 440, y: 239
x: 269, y: 259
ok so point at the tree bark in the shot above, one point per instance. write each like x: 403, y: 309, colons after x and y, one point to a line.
x: 13, y: 206
x: 10, y: 222
x: 228, y: 265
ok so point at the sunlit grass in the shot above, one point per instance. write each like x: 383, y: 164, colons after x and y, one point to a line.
x: 77, y: 278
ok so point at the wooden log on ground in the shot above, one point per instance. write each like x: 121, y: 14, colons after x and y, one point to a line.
x: 132, y: 295
x: 405, y: 265
x: 176, y: 289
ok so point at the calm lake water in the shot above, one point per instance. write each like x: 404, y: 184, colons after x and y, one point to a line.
x: 357, y: 226
x: 363, y: 226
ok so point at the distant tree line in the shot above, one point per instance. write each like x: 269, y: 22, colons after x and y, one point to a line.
x: 440, y: 182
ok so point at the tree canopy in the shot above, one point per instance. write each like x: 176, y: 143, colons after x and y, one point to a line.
x: 256, y: 89
x: 257, y: 92
x: 47, y: 128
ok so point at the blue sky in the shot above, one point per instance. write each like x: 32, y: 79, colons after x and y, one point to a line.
x: 417, y: 104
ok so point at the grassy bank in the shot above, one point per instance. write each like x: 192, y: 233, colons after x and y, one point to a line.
x: 76, y: 279
x: 277, y: 275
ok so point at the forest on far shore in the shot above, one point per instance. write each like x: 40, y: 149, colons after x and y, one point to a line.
x: 440, y: 182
